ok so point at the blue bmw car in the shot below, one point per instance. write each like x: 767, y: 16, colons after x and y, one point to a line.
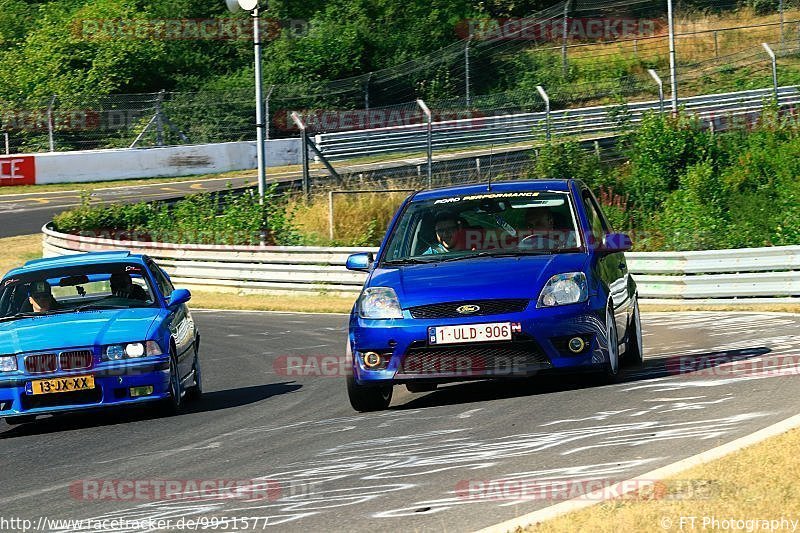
x: 94, y: 330
x: 490, y: 282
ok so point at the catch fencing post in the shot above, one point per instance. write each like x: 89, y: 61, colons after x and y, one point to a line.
x: 429, y: 118
x: 657, y: 78
x: 303, y: 154
x: 50, y: 124
x: 466, y: 66
x: 266, y: 112
x: 673, y: 72
x: 546, y: 99
x: 564, y: 35
x: 774, y: 61
x: 8, y: 144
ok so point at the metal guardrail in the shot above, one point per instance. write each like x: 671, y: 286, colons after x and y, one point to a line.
x: 750, y: 275
x: 716, y: 109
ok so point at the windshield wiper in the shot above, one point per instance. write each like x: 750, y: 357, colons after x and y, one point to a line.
x: 410, y: 261
x: 29, y: 314
x: 98, y: 307
x: 516, y: 253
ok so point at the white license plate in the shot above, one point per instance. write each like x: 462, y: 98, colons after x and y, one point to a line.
x: 500, y: 331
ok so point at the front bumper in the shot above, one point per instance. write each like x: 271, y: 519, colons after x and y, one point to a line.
x: 539, y: 345
x: 113, y: 382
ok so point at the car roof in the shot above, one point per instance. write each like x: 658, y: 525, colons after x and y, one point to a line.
x: 91, y: 258
x: 499, y: 187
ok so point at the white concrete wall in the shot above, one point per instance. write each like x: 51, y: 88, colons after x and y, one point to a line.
x: 171, y: 161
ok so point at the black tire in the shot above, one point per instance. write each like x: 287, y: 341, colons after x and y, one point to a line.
x: 634, y: 352
x: 20, y: 419
x: 421, y: 387
x: 195, y: 392
x: 610, y: 373
x: 368, y: 399
x: 172, y: 405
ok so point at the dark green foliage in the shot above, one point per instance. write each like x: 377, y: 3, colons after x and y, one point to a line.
x: 230, y: 218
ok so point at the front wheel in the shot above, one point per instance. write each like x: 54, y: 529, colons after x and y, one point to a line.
x: 172, y: 404
x: 366, y: 399
x: 610, y: 373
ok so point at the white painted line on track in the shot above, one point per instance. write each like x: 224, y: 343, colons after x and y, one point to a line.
x: 623, y: 487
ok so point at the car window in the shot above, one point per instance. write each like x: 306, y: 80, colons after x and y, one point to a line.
x: 164, y: 284
x: 508, y: 222
x: 69, y: 289
x: 597, y: 223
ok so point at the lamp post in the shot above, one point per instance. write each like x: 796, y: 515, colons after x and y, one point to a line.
x: 261, y: 126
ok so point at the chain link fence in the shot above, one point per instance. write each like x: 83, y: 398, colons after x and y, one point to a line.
x: 584, y: 52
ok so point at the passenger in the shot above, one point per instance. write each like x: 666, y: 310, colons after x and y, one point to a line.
x: 40, y: 296
x: 539, y: 230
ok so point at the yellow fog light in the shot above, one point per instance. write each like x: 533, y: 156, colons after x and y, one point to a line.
x: 576, y: 345
x: 141, y: 391
x: 372, y: 360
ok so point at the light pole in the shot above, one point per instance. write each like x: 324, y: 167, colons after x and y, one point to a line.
x: 261, y: 126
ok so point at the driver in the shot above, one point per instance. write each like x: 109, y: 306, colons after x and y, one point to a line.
x: 447, y: 229
x: 122, y: 286
x: 40, y: 296
x: 538, y: 232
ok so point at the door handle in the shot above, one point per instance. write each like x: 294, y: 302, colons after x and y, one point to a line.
x: 623, y: 266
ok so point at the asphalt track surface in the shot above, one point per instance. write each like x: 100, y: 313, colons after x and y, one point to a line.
x: 405, y: 469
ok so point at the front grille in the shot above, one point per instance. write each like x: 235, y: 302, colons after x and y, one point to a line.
x: 76, y: 360
x: 515, y: 358
x: 486, y: 308
x: 62, y: 399
x: 41, y: 363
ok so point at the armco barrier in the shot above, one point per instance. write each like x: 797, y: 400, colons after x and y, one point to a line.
x: 751, y: 275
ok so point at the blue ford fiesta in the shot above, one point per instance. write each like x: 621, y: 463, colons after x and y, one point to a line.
x: 94, y: 330
x: 491, y: 282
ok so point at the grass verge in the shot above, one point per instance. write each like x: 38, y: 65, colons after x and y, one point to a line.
x: 252, y: 302
x: 758, y: 482
x: 14, y: 251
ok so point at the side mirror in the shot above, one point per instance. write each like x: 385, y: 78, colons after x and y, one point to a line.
x: 359, y: 262
x: 178, y: 298
x: 617, y: 242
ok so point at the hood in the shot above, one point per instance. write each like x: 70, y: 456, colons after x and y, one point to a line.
x: 475, y: 279
x: 70, y: 330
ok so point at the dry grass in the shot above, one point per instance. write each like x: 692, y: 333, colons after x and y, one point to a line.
x: 14, y: 251
x: 359, y: 219
x: 317, y: 303
x: 758, y: 482
x: 761, y: 308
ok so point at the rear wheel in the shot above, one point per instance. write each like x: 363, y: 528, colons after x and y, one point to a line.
x: 196, y: 391
x: 365, y: 399
x: 634, y: 352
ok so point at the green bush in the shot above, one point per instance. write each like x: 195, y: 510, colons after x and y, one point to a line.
x: 230, y: 218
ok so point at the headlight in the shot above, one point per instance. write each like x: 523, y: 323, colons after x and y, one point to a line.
x: 131, y: 350
x: 8, y: 363
x: 563, y: 289
x: 379, y: 303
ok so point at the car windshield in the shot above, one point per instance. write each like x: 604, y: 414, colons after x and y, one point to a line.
x: 76, y: 289
x: 484, y: 225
